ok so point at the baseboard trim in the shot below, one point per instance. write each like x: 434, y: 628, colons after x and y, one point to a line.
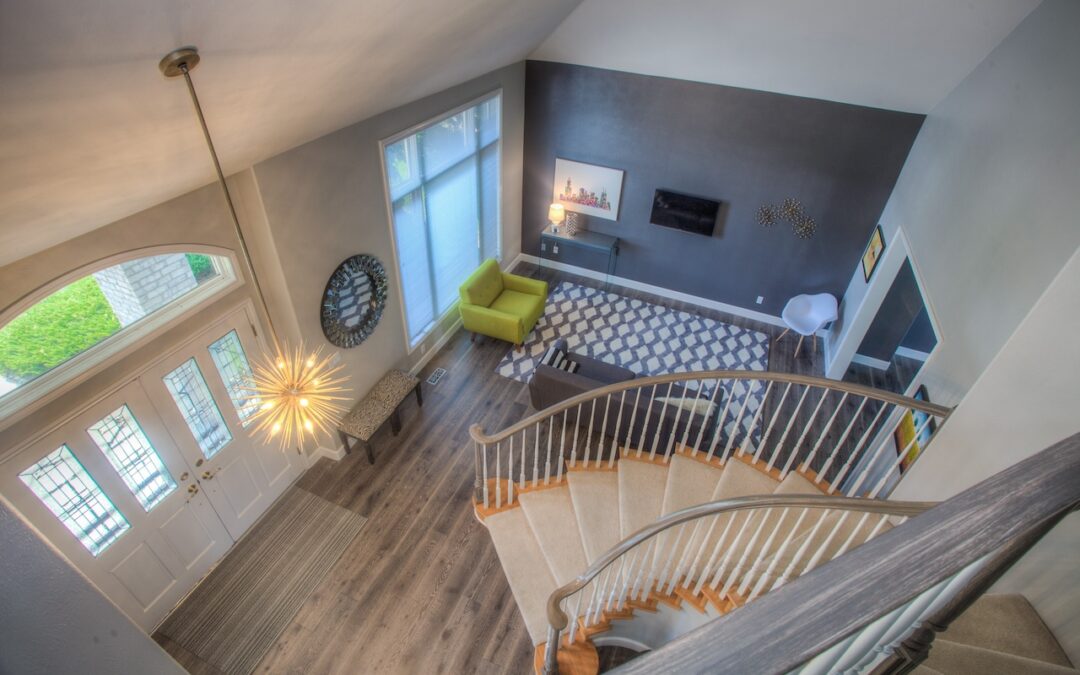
x: 871, y: 362
x: 656, y: 290
x: 439, y: 344
x: 336, y: 454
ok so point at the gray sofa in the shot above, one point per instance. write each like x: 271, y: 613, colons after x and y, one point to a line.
x: 550, y: 386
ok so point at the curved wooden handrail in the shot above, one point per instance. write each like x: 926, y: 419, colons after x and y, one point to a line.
x: 480, y: 436
x: 558, y: 620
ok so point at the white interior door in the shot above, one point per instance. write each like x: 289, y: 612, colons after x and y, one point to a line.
x: 203, y: 392
x: 112, y: 491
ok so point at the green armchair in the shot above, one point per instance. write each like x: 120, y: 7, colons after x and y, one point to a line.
x: 501, y: 305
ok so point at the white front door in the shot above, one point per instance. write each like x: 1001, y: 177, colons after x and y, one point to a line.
x: 203, y: 392
x: 112, y: 491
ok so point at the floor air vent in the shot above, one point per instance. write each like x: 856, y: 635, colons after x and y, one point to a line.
x: 436, y: 375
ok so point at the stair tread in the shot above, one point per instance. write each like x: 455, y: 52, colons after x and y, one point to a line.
x: 742, y: 480
x: 953, y: 658
x: 641, y: 494
x: 595, y: 495
x: 689, y: 483
x: 1007, y: 623
x: 550, y: 514
x: 527, y: 572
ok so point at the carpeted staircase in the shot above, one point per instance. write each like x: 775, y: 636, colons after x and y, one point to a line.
x: 998, y: 634
x: 551, y: 533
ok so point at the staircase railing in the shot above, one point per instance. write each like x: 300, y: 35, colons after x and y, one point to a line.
x: 888, y: 598
x: 727, y: 552
x: 838, y: 434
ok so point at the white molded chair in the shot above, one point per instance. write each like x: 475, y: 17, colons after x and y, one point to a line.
x: 806, y: 314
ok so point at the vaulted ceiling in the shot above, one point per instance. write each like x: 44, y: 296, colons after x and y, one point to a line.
x: 91, y: 132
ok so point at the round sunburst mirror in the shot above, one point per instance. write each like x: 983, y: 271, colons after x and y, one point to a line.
x: 353, y: 301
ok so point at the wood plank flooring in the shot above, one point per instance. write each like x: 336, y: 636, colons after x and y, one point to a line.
x: 421, y: 589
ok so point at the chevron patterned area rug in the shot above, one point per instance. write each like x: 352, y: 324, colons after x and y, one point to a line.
x: 646, y: 338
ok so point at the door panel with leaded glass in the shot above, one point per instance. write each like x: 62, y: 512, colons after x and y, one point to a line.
x: 204, y: 393
x: 112, y: 491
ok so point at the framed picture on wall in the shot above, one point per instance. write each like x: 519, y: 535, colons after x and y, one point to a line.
x: 873, y: 252
x: 914, y: 421
x: 587, y: 188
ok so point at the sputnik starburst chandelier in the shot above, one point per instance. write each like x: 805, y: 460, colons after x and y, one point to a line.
x: 299, y: 392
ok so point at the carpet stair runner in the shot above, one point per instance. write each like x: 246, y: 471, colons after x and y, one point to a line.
x: 551, y: 533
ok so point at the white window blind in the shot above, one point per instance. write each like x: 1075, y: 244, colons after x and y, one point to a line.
x: 443, y: 186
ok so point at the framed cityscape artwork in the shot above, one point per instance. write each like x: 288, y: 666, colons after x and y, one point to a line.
x: 587, y: 188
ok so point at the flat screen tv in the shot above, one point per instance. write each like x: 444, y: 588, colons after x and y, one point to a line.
x: 684, y: 212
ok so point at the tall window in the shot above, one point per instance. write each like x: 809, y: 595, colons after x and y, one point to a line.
x: 443, y: 185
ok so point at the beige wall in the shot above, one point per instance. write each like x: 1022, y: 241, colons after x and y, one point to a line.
x: 325, y: 201
x: 1027, y: 399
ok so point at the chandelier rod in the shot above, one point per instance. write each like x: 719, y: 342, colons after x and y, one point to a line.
x: 180, y: 62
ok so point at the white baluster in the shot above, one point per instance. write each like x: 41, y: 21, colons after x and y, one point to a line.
x: 536, y: 454
x: 763, y: 553
x: 588, y: 438
x: 498, y: 475
x: 678, y: 572
x: 705, y: 418
x: 660, y: 422
x: 603, y: 431
x: 675, y: 427
x: 764, y: 578
x: 617, y: 583
x: 787, y: 429
x: 840, y: 442
x: 803, y: 548
x: 521, y: 484
x: 577, y: 432
x: 824, y: 432
x: 738, y: 421
x: 714, y: 556
x: 633, y: 555
x: 618, y: 428
x: 762, y: 517
x: 663, y: 580
x: 547, y: 458
x: 562, y: 448
x: 836, y: 482
x: 772, y: 420
x: 630, y: 428
x: 485, y: 473
x: 820, y: 552
x: 510, y: 472
x: 802, y: 436
x: 577, y: 615
x: 722, y: 421
x: 751, y: 516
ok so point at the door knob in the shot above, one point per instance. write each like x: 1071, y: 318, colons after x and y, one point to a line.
x: 192, y: 489
x: 199, y: 462
x: 207, y: 475
x: 184, y: 476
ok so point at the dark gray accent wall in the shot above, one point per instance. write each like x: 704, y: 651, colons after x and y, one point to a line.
x: 743, y: 147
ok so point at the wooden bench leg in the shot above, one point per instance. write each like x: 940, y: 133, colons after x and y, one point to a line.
x: 370, y: 454
x: 345, y: 441
x: 419, y: 396
x: 395, y: 422
x: 348, y: 449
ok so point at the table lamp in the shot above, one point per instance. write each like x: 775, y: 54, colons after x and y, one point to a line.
x: 556, y: 214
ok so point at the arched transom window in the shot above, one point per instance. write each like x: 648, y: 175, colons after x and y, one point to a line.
x: 88, y: 319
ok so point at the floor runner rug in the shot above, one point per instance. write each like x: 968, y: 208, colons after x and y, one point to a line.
x: 238, y: 611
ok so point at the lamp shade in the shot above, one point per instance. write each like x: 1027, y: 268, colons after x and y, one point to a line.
x: 556, y: 213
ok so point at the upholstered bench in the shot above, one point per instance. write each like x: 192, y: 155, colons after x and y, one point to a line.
x: 380, y: 404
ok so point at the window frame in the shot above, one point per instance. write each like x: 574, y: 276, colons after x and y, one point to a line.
x: 76, y: 370
x: 413, y: 345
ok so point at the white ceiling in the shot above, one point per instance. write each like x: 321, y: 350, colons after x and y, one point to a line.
x: 896, y: 54
x: 90, y: 131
